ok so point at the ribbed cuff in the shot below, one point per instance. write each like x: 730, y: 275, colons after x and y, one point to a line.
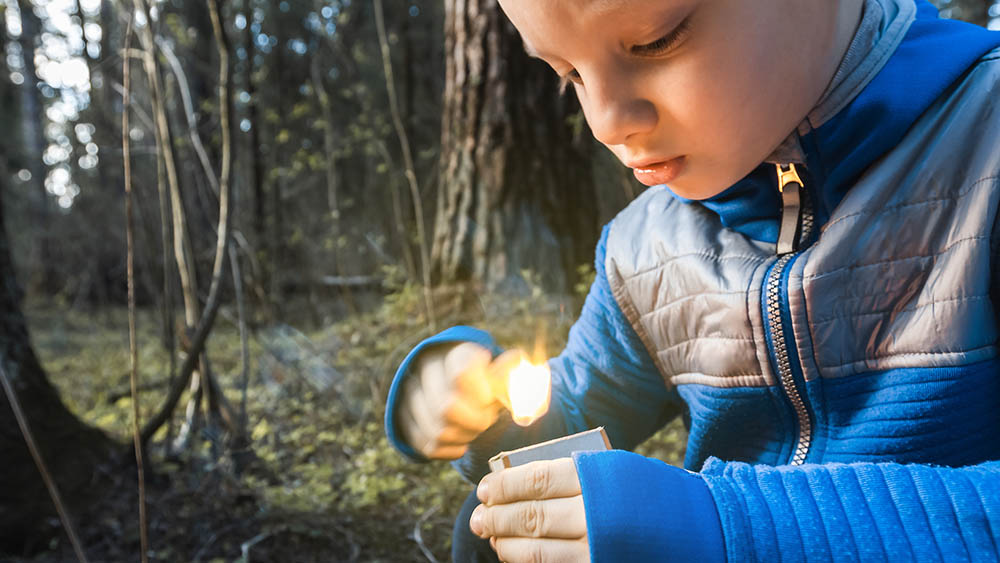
x: 641, y: 509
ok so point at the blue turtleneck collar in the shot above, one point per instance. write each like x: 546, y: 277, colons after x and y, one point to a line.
x: 932, y: 55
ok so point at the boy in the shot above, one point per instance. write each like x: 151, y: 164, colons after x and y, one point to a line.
x: 811, y: 289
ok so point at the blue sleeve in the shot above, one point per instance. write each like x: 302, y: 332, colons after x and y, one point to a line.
x: 603, y: 377
x: 835, y: 512
x: 857, y: 512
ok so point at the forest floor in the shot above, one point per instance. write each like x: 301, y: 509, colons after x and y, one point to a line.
x: 322, y: 483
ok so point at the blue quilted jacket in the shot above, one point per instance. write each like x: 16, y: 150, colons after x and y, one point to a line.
x: 921, y: 483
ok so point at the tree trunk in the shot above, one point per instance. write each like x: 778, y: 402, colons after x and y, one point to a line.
x: 71, y: 450
x: 973, y: 11
x: 516, y: 194
x: 256, y: 170
x: 32, y: 123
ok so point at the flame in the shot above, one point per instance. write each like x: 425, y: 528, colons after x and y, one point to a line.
x: 529, y: 387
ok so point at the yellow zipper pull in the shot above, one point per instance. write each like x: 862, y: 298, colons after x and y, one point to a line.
x: 790, y: 186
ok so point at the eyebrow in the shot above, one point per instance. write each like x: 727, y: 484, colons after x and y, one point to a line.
x: 602, y: 6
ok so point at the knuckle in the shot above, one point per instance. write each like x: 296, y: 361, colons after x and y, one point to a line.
x: 429, y: 360
x: 536, y: 553
x: 453, y: 435
x: 500, y: 547
x: 446, y: 407
x: 498, y: 487
x: 452, y: 413
x: 458, y: 357
x: 533, y: 519
x: 412, y: 435
x: 540, y: 481
x: 429, y: 447
x: 465, y: 359
x: 493, y: 521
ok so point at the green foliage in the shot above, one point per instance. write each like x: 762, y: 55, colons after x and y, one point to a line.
x: 586, y: 274
x: 404, y: 297
x: 319, y: 444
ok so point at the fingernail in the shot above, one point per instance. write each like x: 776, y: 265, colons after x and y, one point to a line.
x: 482, y: 490
x: 476, y: 521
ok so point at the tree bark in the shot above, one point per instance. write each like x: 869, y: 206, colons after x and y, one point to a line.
x: 256, y: 171
x: 516, y: 193
x: 973, y: 11
x: 32, y: 124
x: 72, y: 450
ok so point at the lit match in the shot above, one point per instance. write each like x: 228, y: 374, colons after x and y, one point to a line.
x: 529, y: 388
x: 522, y: 386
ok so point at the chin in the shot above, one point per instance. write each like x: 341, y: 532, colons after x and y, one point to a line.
x: 688, y: 189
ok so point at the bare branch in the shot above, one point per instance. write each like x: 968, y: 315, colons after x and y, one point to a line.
x: 205, y: 322
x: 417, y: 537
x: 192, y: 119
x: 130, y: 251
x: 411, y: 175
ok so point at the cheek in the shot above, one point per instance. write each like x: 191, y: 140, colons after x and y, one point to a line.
x: 723, y: 130
x: 737, y: 96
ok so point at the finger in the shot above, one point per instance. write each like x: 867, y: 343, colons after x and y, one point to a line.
x: 465, y: 358
x: 458, y: 376
x: 455, y: 435
x: 472, y: 379
x: 426, y: 432
x: 428, y: 445
x: 428, y: 442
x: 448, y: 452
x: 434, y: 378
x: 537, y: 480
x: 416, y: 406
x: 542, y: 550
x: 464, y: 414
x: 450, y: 430
x: 562, y: 518
x: 415, y: 436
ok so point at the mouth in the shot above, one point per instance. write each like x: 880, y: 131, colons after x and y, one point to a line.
x: 655, y: 173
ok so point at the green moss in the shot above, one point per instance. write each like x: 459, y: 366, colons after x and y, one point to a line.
x: 314, y: 405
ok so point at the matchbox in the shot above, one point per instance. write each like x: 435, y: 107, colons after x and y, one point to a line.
x: 588, y: 441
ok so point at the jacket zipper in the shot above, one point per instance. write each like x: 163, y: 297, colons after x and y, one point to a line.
x: 795, y: 229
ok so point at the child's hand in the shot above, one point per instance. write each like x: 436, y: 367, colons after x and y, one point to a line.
x: 533, y: 512
x: 450, y: 399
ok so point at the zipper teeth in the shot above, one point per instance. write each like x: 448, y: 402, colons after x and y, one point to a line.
x: 784, y: 364
x: 808, y: 219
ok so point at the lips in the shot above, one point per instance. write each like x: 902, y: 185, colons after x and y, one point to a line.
x: 655, y: 173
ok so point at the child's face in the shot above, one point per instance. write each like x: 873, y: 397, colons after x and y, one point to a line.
x: 694, y: 93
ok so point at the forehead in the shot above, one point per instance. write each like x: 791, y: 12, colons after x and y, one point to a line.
x: 545, y: 22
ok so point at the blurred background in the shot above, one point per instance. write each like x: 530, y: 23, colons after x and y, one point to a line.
x: 315, y: 186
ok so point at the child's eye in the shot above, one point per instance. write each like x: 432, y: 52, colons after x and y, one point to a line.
x: 665, y: 43
x: 571, y: 76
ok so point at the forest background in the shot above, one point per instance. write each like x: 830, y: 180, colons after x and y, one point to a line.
x: 313, y: 187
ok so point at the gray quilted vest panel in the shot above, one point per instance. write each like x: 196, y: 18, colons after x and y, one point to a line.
x: 899, y: 277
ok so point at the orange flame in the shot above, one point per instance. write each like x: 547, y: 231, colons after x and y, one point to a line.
x: 529, y: 387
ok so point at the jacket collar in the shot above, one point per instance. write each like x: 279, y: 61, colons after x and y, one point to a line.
x: 902, y: 58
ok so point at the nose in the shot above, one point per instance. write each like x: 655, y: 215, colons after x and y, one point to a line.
x: 615, y: 111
